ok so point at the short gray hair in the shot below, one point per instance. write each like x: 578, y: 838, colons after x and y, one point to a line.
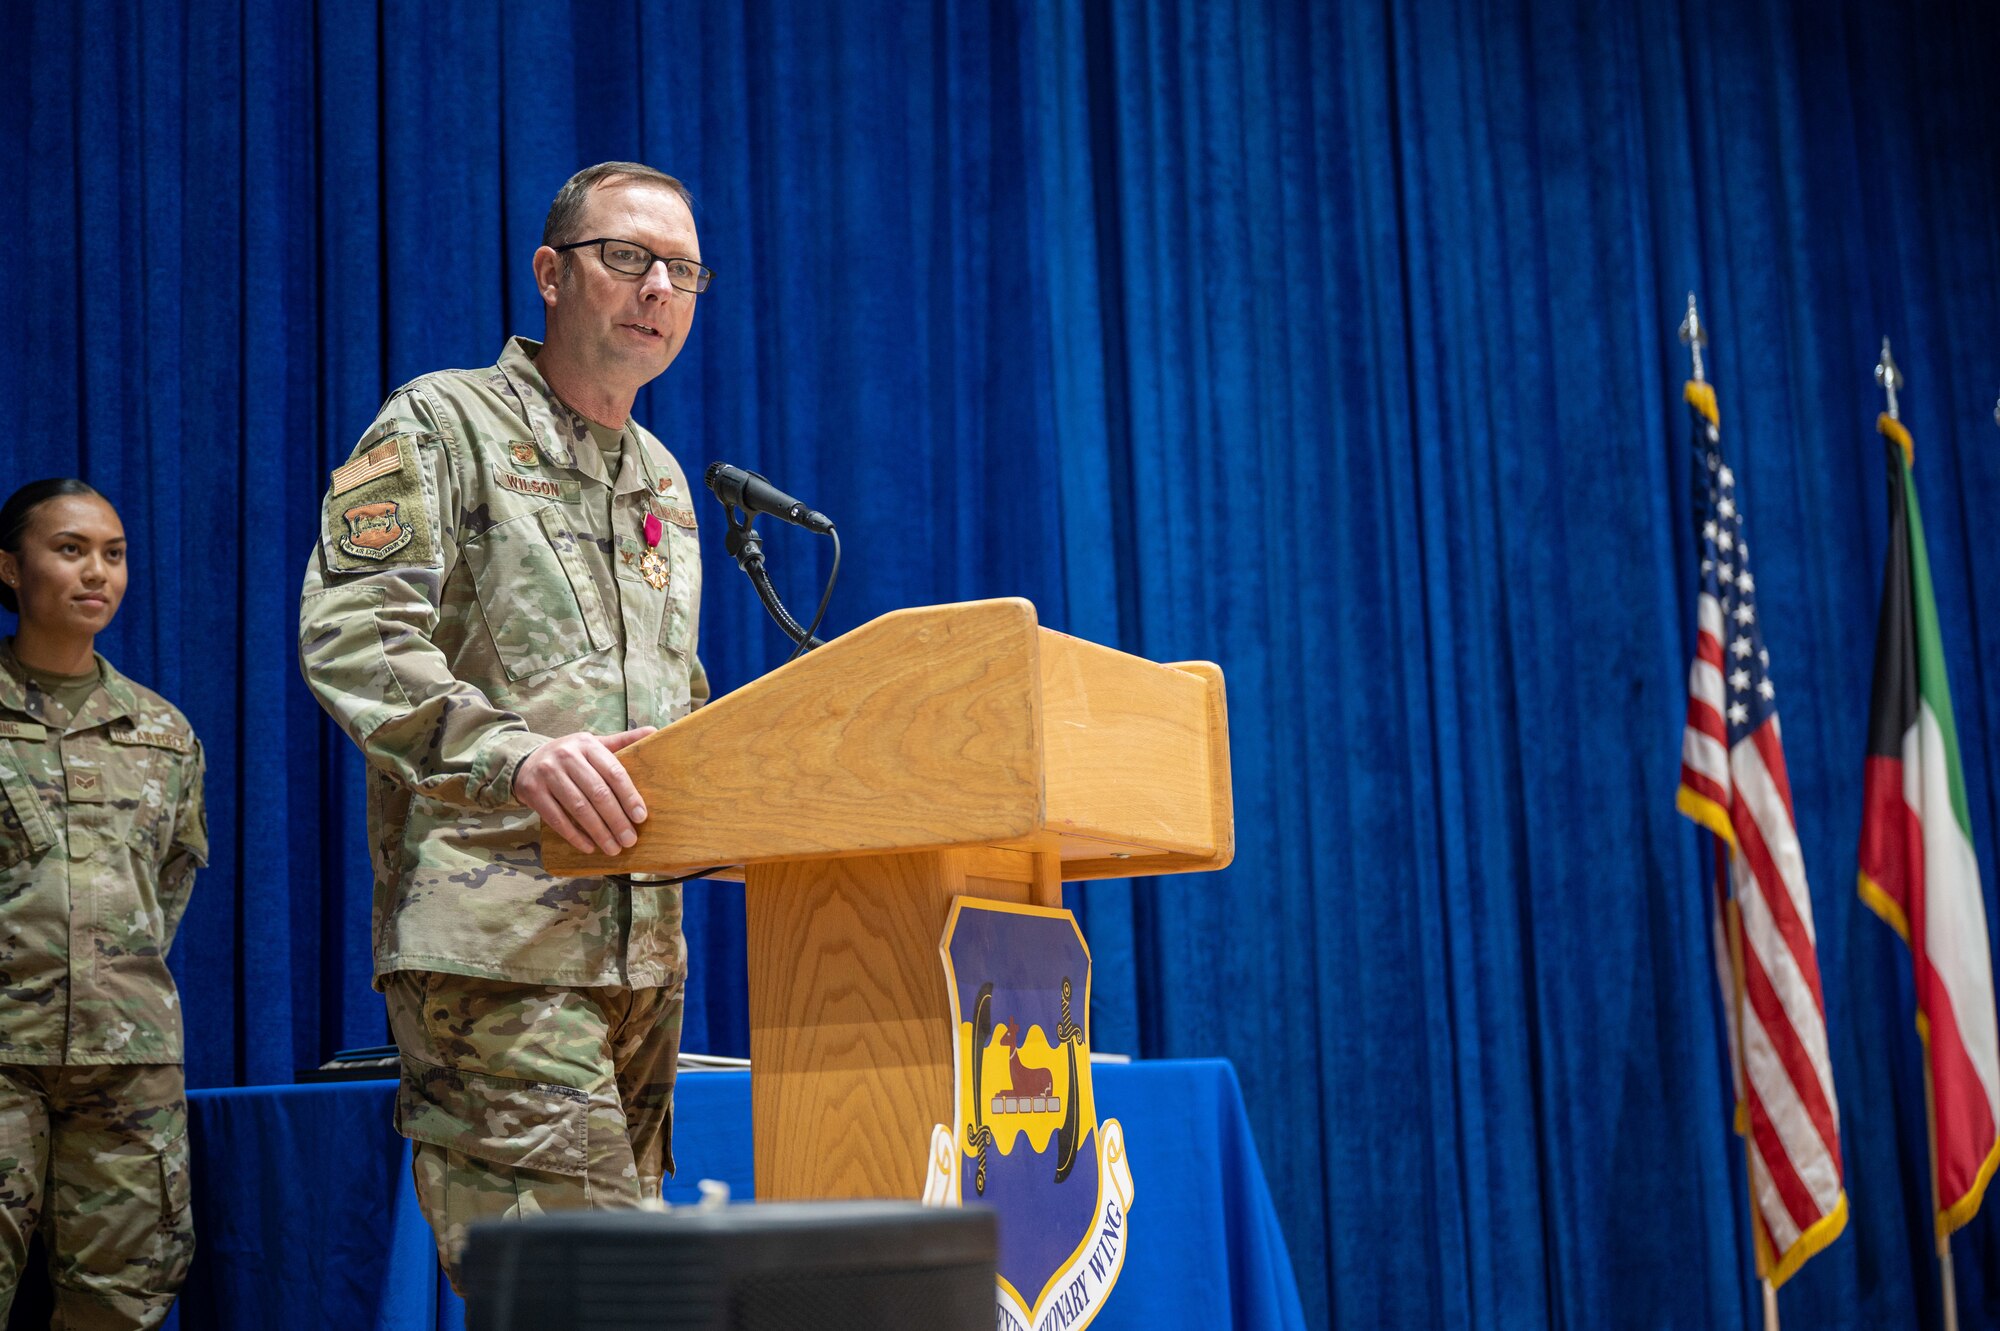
x: 566, y: 213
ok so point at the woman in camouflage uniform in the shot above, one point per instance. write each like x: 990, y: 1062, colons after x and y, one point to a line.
x: 101, y: 830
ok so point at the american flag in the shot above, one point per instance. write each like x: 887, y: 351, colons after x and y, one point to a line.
x: 1733, y: 783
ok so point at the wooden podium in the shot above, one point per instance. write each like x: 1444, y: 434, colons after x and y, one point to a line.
x: 953, y: 750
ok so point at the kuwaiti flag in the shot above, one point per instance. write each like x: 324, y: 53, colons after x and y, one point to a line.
x: 1918, y: 871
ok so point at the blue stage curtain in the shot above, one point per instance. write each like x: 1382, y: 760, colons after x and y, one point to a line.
x: 1333, y: 343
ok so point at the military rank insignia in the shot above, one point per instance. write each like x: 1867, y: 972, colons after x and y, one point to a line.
x: 1028, y: 1141
x: 375, y: 511
x: 86, y: 785
x: 678, y: 511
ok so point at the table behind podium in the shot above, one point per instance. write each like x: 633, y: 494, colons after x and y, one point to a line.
x: 306, y: 1216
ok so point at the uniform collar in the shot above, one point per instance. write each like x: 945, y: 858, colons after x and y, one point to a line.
x: 15, y: 695
x: 636, y: 472
x: 19, y: 694
x: 115, y: 700
x: 560, y: 432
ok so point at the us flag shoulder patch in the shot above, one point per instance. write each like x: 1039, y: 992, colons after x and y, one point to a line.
x: 377, y: 512
x: 377, y: 461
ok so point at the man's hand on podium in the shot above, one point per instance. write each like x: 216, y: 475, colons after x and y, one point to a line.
x: 582, y: 792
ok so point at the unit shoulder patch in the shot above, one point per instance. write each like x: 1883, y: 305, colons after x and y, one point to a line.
x: 376, y: 512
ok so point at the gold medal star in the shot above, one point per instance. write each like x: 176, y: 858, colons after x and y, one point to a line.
x: 654, y: 569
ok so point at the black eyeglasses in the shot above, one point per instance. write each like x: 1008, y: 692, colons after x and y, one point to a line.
x: 634, y: 260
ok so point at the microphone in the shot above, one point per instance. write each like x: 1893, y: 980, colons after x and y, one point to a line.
x: 753, y: 494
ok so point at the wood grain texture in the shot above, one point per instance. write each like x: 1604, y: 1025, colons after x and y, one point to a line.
x: 1046, y: 889
x: 1127, y: 748
x: 850, y: 1025
x: 945, y: 726
x: 1221, y: 790
x: 1084, y: 859
x: 919, y: 729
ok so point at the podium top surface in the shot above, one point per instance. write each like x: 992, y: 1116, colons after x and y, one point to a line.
x: 941, y: 726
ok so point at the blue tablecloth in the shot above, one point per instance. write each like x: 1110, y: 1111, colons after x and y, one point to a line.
x: 306, y: 1214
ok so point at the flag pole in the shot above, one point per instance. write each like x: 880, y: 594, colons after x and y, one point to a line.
x: 1890, y: 379
x: 1694, y: 337
x: 1943, y: 1235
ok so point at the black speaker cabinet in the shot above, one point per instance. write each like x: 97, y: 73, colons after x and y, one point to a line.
x: 782, y: 1266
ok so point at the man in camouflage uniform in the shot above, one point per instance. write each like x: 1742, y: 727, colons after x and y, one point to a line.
x: 504, y: 592
x: 101, y: 831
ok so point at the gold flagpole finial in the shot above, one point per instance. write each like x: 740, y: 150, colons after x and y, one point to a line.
x: 1891, y: 378
x: 1694, y: 337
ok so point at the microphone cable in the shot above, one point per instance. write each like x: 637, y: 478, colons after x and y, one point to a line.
x: 806, y: 641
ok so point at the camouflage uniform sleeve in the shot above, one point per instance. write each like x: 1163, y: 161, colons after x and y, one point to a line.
x: 370, y: 609
x: 188, y: 850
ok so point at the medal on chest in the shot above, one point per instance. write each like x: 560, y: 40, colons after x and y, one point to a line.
x: 653, y: 564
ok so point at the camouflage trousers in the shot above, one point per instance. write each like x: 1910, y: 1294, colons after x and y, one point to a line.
x: 98, y: 1158
x: 524, y: 1098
